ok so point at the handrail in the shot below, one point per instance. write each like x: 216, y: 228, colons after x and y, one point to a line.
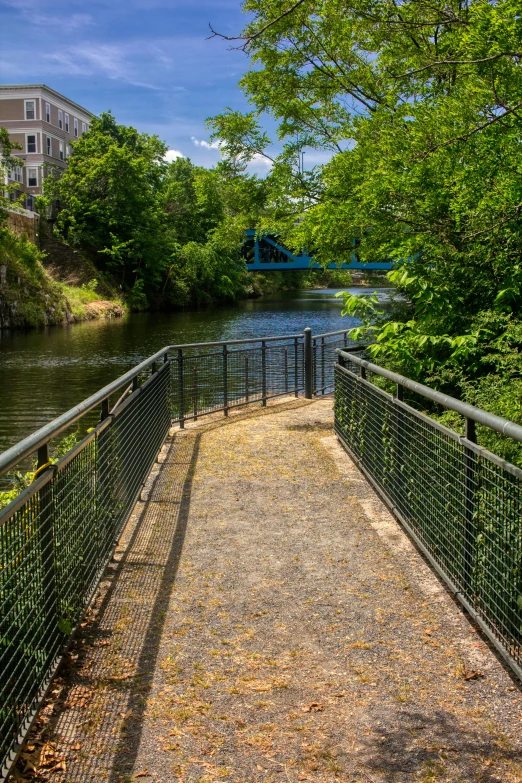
x: 27, y: 446
x: 24, y: 448
x: 491, y: 420
x: 331, y: 334
x: 245, y: 341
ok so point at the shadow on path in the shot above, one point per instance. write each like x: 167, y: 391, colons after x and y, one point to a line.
x: 107, y: 689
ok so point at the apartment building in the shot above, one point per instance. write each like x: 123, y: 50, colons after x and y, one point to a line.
x: 44, y: 123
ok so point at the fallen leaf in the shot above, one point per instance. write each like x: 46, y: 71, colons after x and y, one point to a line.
x: 260, y: 768
x: 143, y: 774
x: 471, y: 674
x: 302, y: 777
x: 339, y: 695
x: 313, y: 707
x: 428, y: 631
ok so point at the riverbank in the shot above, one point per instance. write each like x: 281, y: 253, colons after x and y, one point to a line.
x: 34, y: 291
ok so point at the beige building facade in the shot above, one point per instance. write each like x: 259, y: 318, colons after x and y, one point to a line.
x: 44, y: 123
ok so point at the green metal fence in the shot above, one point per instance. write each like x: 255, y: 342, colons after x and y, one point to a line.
x: 460, y: 503
x: 57, y: 536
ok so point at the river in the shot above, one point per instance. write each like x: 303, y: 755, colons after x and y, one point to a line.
x: 47, y: 371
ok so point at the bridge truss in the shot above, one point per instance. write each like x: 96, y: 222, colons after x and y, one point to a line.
x: 264, y: 253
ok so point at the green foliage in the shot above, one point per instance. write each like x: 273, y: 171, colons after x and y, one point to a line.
x: 169, y: 234
x: 328, y: 278
x: 419, y: 106
x: 7, y: 162
x: 109, y: 198
x: 19, y: 481
x: 30, y: 297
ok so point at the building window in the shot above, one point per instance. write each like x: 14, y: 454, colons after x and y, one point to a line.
x: 76, y: 128
x: 18, y: 174
x: 49, y: 146
x: 69, y: 150
x: 30, y: 110
x: 67, y: 123
x: 84, y: 127
x: 61, y: 150
x: 31, y: 143
x: 29, y: 203
x: 60, y: 118
x: 32, y: 178
x: 48, y: 112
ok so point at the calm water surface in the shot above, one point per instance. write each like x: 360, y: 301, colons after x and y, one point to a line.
x: 44, y: 372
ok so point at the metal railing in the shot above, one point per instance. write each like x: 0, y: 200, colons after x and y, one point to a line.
x: 58, y: 534
x: 210, y: 377
x: 461, y: 504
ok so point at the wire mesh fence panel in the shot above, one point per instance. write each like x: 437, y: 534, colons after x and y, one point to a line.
x: 462, y: 503
x: 55, y: 540
x: 28, y: 644
x: 324, y: 352
x: 226, y: 376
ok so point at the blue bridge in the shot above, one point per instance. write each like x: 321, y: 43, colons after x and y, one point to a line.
x: 264, y: 253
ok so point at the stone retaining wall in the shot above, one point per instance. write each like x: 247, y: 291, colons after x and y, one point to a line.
x: 25, y: 222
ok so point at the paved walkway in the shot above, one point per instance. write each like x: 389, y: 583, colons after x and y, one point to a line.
x: 265, y: 619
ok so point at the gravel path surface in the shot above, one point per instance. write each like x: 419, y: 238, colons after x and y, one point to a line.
x: 265, y: 619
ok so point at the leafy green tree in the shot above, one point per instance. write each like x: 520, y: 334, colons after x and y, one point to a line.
x: 110, y: 206
x: 419, y: 105
x: 7, y: 162
x: 207, y: 212
x: 169, y: 234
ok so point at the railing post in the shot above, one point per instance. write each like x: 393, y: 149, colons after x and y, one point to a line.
x: 314, y: 361
x: 247, y: 389
x: 104, y: 409
x: 135, y: 383
x: 469, y: 532
x: 308, y: 364
x: 180, y: 389
x: 225, y: 380
x: 195, y: 393
x: 399, y: 446
x: 263, y: 374
x: 322, y: 365
x: 286, y: 370
x: 47, y: 547
x: 296, y: 368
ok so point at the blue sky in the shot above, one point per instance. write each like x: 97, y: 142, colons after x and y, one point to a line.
x: 146, y: 60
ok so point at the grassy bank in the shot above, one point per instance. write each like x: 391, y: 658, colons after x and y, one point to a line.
x: 31, y: 293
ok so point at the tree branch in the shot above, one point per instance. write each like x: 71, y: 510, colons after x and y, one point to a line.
x: 249, y: 38
x: 456, y: 62
x: 466, y: 136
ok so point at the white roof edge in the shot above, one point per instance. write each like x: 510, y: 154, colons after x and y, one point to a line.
x: 49, y: 89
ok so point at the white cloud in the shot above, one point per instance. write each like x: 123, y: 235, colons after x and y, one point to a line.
x: 115, y: 62
x: 260, y: 160
x: 30, y: 10
x: 172, y: 155
x: 209, y: 145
